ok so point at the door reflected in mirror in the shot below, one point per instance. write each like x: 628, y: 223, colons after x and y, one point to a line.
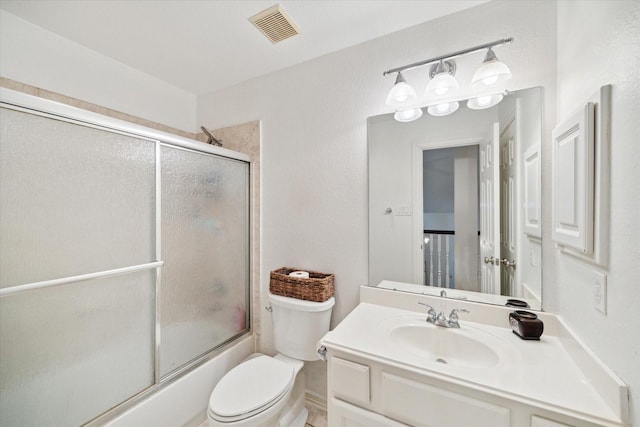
x: 454, y: 202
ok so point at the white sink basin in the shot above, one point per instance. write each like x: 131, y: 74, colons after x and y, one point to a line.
x: 466, y: 347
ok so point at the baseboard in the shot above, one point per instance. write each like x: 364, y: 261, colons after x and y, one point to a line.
x: 316, y: 400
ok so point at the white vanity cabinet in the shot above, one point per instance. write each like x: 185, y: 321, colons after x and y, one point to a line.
x: 387, y: 366
x: 366, y: 392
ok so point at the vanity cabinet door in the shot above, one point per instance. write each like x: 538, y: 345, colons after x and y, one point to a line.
x: 344, y: 415
x: 350, y: 381
x: 543, y: 422
x: 423, y: 405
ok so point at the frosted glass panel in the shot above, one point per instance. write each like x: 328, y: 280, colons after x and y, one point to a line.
x: 69, y: 195
x: 204, y: 286
x: 71, y: 352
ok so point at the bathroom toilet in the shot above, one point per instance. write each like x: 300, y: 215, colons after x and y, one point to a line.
x: 265, y: 391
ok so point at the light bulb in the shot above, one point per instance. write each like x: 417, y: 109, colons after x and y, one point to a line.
x: 408, y: 115
x: 490, y: 80
x: 490, y: 72
x: 441, y: 83
x: 484, y: 100
x: 443, y: 109
x: 400, y: 93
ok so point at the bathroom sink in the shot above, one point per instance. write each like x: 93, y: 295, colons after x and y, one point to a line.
x: 465, y: 347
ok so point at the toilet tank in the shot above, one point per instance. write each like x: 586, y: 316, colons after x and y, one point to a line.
x: 298, y: 325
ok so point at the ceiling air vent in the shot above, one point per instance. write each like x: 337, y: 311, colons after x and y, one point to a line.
x: 275, y: 23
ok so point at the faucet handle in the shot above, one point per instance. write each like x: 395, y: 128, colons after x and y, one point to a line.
x: 453, y: 317
x: 431, y: 313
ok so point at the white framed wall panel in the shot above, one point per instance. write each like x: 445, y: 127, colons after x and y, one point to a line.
x: 602, y: 177
x: 573, y: 180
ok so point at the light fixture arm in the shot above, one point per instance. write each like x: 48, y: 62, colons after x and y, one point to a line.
x: 449, y: 56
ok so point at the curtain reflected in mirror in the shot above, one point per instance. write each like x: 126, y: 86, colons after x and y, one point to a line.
x: 454, y: 202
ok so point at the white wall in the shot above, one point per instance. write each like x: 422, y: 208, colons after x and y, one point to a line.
x: 32, y: 55
x: 598, y: 44
x: 314, y: 135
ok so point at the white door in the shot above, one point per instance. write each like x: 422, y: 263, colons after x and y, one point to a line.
x: 490, y: 211
x: 509, y: 201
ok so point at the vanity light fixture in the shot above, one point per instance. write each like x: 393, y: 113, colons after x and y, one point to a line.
x: 401, y: 93
x: 443, y: 109
x: 439, y: 96
x: 442, y: 79
x: 484, y: 101
x: 491, y: 72
x: 408, y: 115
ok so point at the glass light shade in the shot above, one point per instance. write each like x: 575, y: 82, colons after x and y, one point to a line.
x: 441, y: 84
x: 401, y: 93
x: 484, y: 101
x: 491, y: 72
x: 408, y: 115
x: 443, y: 109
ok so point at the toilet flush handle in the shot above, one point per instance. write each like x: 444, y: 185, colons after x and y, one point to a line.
x: 322, y: 352
x: 268, y: 308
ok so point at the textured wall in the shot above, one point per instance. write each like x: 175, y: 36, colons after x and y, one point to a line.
x: 598, y: 44
x: 314, y: 136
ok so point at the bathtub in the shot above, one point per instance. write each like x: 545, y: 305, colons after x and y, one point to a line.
x: 183, y: 402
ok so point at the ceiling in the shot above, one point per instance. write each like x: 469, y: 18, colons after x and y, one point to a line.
x: 204, y: 45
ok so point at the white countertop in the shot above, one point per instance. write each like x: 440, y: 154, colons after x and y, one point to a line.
x: 539, y: 372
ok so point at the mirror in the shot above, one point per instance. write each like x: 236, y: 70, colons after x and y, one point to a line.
x: 454, y: 202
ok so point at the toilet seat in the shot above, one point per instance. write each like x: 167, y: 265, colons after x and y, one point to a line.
x: 250, y: 388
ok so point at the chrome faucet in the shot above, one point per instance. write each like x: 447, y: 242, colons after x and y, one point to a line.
x: 431, y: 314
x: 439, y: 319
x: 453, y: 317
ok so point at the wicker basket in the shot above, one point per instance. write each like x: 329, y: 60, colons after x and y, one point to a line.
x: 318, y: 287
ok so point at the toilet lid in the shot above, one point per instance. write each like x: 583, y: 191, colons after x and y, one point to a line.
x: 250, y: 386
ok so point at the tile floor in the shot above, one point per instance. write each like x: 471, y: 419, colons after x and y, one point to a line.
x: 317, y: 416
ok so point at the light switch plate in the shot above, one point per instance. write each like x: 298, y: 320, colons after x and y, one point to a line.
x: 600, y: 291
x: 403, y: 210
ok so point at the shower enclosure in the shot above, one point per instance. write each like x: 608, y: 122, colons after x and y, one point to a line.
x: 124, y: 260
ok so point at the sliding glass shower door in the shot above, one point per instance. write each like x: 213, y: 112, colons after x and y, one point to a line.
x: 205, y: 251
x: 122, y: 260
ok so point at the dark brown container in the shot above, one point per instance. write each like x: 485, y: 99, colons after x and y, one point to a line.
x: 526, y: 325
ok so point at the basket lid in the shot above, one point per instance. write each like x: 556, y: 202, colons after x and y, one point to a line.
x: 301, y: 305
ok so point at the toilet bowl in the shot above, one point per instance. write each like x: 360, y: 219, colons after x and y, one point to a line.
x: 265, y: 391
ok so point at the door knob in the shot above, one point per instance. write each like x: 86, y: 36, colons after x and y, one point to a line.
x: 508, y: 263
x: 491, y: 260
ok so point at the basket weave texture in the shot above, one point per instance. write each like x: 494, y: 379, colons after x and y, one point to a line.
x: 319, y: 287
